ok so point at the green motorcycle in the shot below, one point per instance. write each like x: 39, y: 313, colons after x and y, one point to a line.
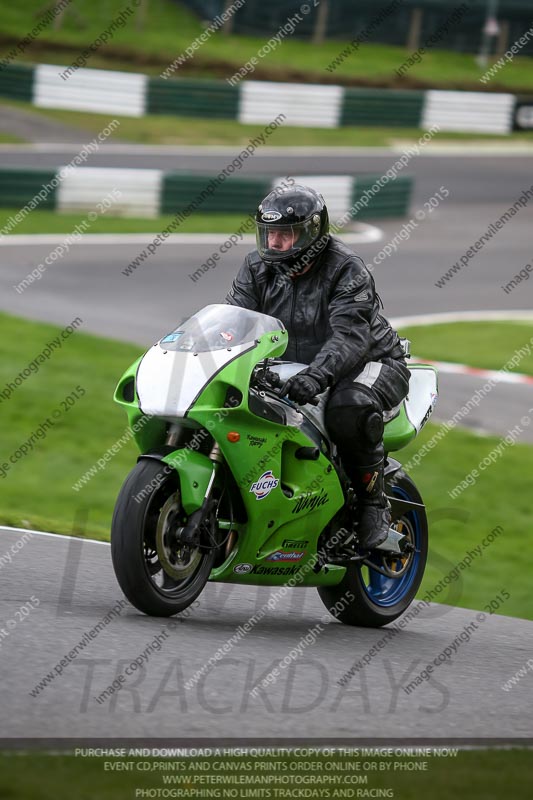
x: 237, y: 484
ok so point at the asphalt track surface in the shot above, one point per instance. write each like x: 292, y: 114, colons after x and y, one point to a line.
x: 464, y: 697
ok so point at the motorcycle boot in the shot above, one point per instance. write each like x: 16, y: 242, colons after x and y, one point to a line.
x: 373, y: 512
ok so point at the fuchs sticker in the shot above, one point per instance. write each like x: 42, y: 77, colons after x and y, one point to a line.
x: 270, y: 216
x: 308, y: 502
x: 281, y: 555
x: 227, y: 336
x: 262, y: 487
x: 242, y: 569
x: 294, y: 543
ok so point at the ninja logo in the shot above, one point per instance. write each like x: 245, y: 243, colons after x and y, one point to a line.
x: 310, y: 502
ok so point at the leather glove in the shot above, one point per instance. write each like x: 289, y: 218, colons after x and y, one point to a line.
x: 301, y: 388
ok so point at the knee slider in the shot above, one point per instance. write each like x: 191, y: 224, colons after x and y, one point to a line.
x: 372, y: 426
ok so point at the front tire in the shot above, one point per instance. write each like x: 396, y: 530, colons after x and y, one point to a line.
x: 157, y: 577
x: 380, y: 599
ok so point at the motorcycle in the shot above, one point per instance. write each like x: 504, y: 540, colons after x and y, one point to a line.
x: 237, y: 484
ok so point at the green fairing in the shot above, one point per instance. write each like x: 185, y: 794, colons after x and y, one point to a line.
x: 398, y: 432
x: 278, y: 526
x: 272, y: 519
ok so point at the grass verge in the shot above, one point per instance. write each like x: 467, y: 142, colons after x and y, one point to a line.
x: 37, y: 489
x: 8, y: 138
x: 487, y: 345
x: 169, y: 29
x: 476, y: 775
x: 52, y: 222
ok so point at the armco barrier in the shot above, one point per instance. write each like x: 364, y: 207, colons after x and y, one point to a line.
x: 16, y: 82
x: 469, y: 111
x: 234, y: 195
x: 307, y: 105
x: 382, y: 107
x: 390, y: 201
x: 149, y: 192
x: 20, y: 186
x: 99, y: 90
x: 193, y: 98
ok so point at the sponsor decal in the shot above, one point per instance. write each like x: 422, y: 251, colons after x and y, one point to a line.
x: 295, y: 543
x: 262, y: 487
x: 427, y: 415
x: 242, y: 569
x: 282, y: 555
x: 171, y: 337
x: 270, y: 216
x: 227, y: 336
x: 308, y: 502
x: 261, y: 570
x: 256, y: 441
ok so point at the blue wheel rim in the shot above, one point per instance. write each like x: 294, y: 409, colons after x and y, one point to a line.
x: 385, y: 591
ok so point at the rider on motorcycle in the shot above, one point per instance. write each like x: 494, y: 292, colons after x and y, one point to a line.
x: 326, y: 298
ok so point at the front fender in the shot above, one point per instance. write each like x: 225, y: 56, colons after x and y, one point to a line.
x: 194, y: 469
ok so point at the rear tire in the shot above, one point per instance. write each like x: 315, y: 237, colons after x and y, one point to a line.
x: 378, y: 599
x: 156, y: 576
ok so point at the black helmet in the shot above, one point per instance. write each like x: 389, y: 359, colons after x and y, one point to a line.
x: 292, y: 227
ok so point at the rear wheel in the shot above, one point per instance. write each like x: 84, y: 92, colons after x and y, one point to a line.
x: 379, y: 597
x: 159, y: 576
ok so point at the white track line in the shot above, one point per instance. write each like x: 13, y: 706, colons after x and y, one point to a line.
x: 472, y: 149
x: 367, y: 234
x: 9, y: 529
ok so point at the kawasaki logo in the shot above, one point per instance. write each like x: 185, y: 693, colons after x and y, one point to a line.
x: 310, y: 502
x: 262, y: 487
x: 261, y: 570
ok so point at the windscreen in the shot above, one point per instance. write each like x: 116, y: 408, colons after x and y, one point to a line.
x: 218, y: 327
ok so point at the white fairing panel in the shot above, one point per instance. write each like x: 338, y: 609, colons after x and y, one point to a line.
x: 168, y: 381
x: 422, y: 396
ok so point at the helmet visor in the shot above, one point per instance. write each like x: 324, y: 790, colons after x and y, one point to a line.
x: 283, y: 242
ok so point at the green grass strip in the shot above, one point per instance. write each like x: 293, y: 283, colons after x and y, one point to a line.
x: 487, y: 345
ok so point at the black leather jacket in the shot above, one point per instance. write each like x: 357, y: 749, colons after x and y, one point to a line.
x: 331, y: 312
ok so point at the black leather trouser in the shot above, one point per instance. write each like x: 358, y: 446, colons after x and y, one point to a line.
x: 354, y: 414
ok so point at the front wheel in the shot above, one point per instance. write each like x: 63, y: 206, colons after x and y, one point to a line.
x: 158, y: 577
x: 381, y: 597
